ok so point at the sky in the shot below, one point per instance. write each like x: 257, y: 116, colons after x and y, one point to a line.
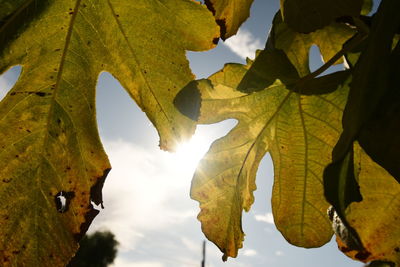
x: 146, y: 195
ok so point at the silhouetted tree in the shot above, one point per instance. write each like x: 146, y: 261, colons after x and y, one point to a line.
x: 96, y: 250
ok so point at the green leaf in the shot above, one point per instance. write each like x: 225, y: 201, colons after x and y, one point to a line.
x: 296, y: 45
x: 375, y: 218
x: 299, y: 131
x: 309, y: 15
x: 229, y: 14
x: 48, y: 133
x: 8, y: 7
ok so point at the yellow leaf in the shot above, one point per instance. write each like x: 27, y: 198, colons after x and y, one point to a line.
x: 50, y: 148
x: 299, y: 131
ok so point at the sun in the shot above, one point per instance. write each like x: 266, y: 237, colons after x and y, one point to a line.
x: 188, y: 154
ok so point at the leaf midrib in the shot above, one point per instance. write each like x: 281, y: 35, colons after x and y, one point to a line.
x: 237, y: 187
x: 138, y: 64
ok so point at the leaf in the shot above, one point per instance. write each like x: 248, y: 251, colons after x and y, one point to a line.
x: 229, y: 14
x: 344, y: 190
x: 299, y: 132
x: 366, y: 94
x: 50, y: 148
x: 341, y: 189
x: 367, y: 90
x: 273, y: 64
x: 269, y: 65
x: 376, y: 136
x: 367, y: 7
x: 296, y: 45
x: 309, y: 15
x: 376, y: 217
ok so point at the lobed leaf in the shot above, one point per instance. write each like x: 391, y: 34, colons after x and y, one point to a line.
x: 50, y: 148
x: 299, y: 131
x: 296, y: 46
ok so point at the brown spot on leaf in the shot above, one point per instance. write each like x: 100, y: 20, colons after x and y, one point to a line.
x: 40, y: 94
x: 221, y: 22
x: 362, y: 255
x: 345, y: 249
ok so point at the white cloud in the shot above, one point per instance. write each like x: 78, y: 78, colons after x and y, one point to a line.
x: 139, y: 193
x: 279, y: 253
x: 147, y: 203
x: 249, y: 252
x: 244, y: 44
x: 268, y: 218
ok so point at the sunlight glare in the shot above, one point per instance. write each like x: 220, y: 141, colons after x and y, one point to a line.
x: 188, y: 154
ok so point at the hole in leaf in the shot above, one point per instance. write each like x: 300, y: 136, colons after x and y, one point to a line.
x: 8, y: 80
x: 62, y: 200
x: 316, y: 61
